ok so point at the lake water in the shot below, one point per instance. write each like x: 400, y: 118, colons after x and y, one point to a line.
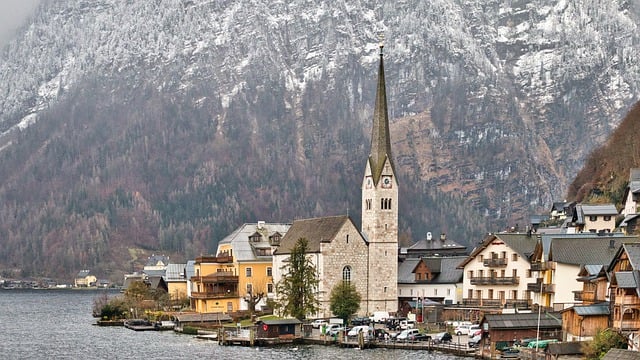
x: 57, y: 324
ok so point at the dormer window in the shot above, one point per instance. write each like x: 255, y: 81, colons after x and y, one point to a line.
x: 275, y: 238
x: 255, y: 237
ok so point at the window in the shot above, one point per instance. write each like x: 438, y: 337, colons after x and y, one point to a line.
x: 270, y: 288
x: 480, y: 273
x: 448, y: 292
x: 269, y: 271
x: 528, y: 273
x: 490, y: 295
x: 502, y: 273
x: 247, y: 272
x: 346, y: 273
x: 470, y: 294
x: 514, y: 257
x: 385, y: 204
x: 593, y: 218
x: 347, y: 238
x: 607, y: 218
x: 470, y: 273
x: 435, y: 292
x: 515, y: 273
x: 514, y: 294
x: 481, y: 258
x: 249, y: 289
x: 385, y: 289
x: 410, y: 292
x: 368, y: 204
x: 504, y: 255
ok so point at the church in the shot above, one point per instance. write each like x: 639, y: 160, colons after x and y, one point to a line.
x: 366, y: 257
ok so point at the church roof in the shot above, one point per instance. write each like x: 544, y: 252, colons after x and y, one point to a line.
x: 380, y: 134
x: 315, y: 230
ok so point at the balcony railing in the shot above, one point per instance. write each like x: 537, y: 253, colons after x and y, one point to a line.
x: 216, y: 278
x: 543, y: 266
x: 626, y: 300
x: 214, y: 259
x: 206, y: 295
x: 545, y: 288
x: 495, y: 262
x: 510, y: 303
x: 494, y: 280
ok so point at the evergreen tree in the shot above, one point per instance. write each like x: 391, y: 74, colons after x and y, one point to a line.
x: 298, y: 286
x: 345, y: 300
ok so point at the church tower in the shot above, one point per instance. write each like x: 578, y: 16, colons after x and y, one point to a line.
x: 380, y: 209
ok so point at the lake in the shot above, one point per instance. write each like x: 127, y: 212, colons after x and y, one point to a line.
x: 57, y: 324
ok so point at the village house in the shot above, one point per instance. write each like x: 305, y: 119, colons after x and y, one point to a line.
x: 497, y: 272
x: 242, y: 269
x: 84, y: 278
x: 593, y: 218
x: 557, y: 260
x: 624, y: 293
x: 427, y: 247
x: 176, y: 279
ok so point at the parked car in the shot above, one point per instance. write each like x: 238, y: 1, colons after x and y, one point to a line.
x: 474, y: 330
x: 405, y: 335
x: 318, y: 323
x: 360, y: 328
x: 443, y: 337
x: 334, y: 329
x: 420, y: 337
x: 475, y: 340
x: 407, y: 324
x: 360, y: 321
x: 462, y: 330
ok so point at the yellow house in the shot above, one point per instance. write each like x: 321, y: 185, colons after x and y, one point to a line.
x: 176, y: 279
x: 241, y: 268
x: 85, y: 279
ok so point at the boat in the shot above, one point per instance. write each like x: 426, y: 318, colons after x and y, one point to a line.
x: 139, y: 325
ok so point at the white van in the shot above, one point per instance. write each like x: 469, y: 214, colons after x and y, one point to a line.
x: 379, y: 316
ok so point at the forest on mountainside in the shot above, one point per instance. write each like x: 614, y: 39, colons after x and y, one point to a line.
x: 605, y: 174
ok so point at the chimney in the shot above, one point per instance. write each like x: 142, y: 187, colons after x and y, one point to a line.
x: 612, y: 244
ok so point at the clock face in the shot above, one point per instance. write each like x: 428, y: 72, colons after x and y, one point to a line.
x: 369, y: 182
x: 386, y: 182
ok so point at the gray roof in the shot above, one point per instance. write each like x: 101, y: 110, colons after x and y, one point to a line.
x: 83, y: 274
x: 444, y: 269
x: 282, y: 321
x: 585, y: 248
x: 523, y: 321
x: 315, y: 230
x: 621, y: 354
x: 565, y: 348
x: 435, y: 244
x: 592, y: 310
x: 175, y: 272
x: 627, y: 279
x: 628, y: 219
x: 157, y: 260
x: 243, y: 249
x: 633, y: 252
x: 190, y: 269
x: 604, y: 209
x: 521, y: 243
x: 634, y: 180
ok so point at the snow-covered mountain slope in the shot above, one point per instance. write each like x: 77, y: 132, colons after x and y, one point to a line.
x: 493, y: 102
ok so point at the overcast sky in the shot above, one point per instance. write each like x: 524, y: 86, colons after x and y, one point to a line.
x: 12, y: 14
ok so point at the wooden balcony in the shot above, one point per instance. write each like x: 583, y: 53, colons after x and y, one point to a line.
x: 507, y: 303
x: 221, y: 277
x: 537, y: 286
x: 543, y: 266
x: 495, y: 262
x: 627, y: 300
x: 225, y: 259
x: 494, y: 280
x: 586, y: 296
x: 208, y: 295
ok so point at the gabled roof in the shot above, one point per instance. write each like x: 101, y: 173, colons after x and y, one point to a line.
x: 175, y: 272
x: 523, y: 321
x: 585, y: 248
x: 315, y: 230
x: 243, y: 248
x: 521, y: 243
x: 627, y: 279
x: 621, y: 354
x: 83, y: 274
x: 157, y: 260
x: 591, y: 272
x: 558, y: 206
x: 633, y: 253
x: 432, y: 245
x: 444, y: 269
x: 634, y: 180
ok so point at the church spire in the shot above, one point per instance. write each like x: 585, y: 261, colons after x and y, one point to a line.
x: 380, y: 137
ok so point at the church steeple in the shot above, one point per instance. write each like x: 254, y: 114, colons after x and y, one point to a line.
x: 380, y: 137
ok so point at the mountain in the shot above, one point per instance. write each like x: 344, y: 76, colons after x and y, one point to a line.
x: 139, y: 127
